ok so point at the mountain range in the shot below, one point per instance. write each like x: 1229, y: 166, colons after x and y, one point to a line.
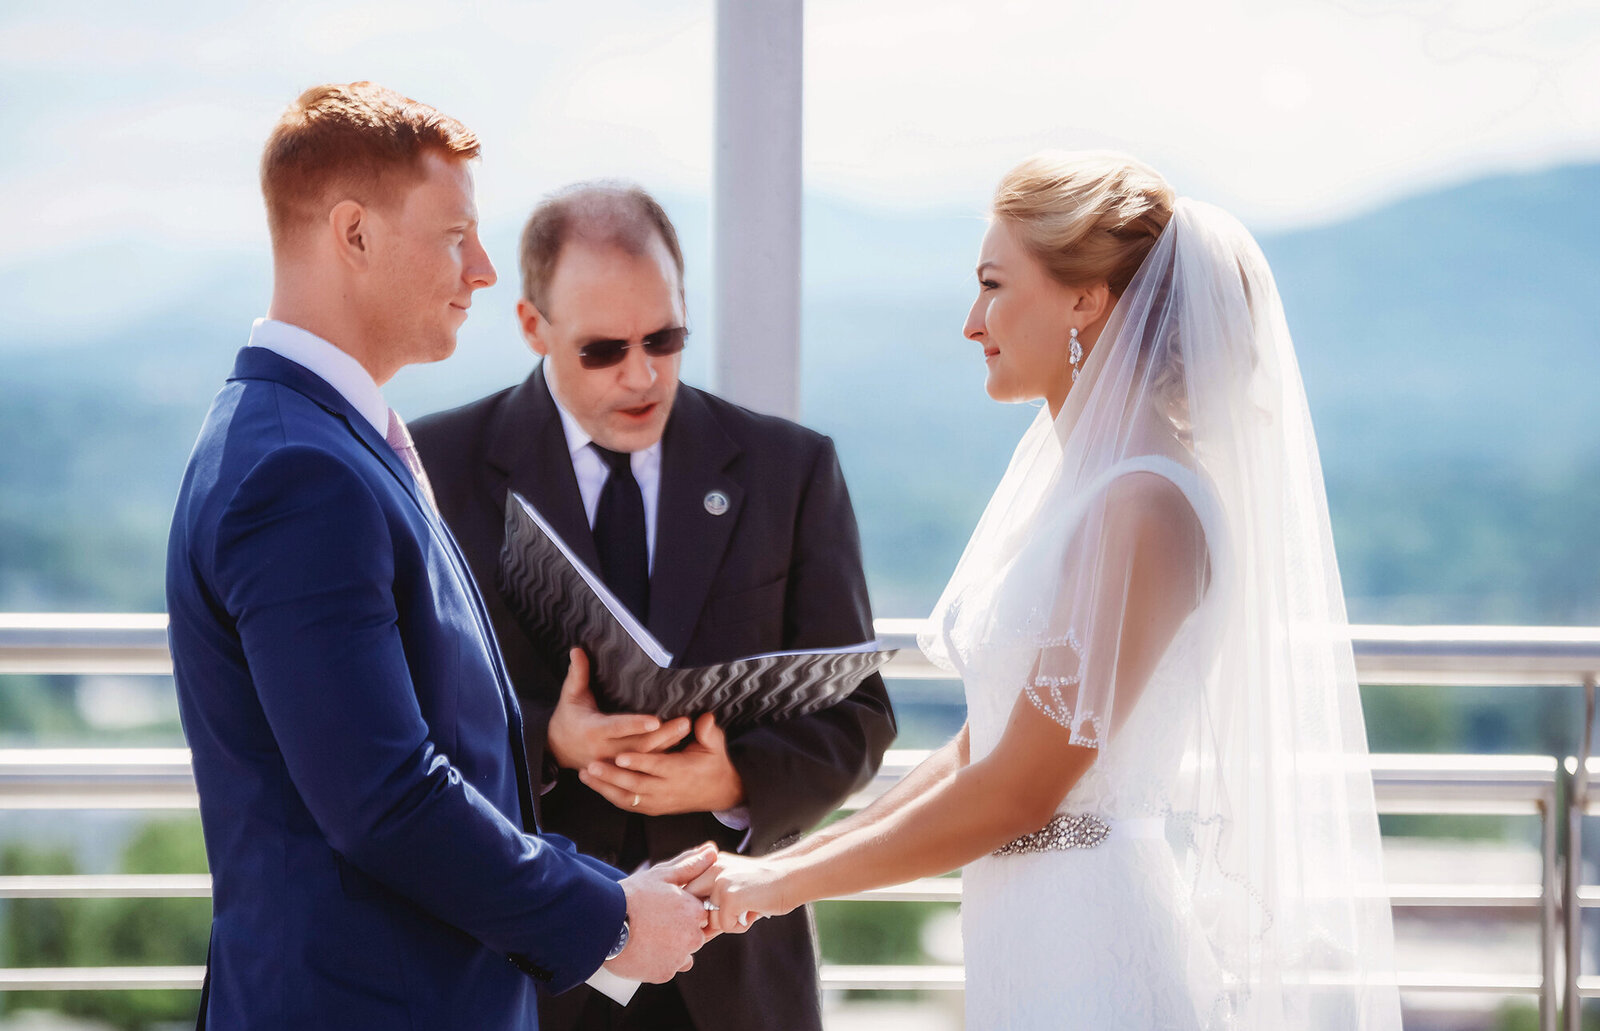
x: 1449, y: 341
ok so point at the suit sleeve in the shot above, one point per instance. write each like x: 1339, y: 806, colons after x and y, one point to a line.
x: 309, y: 576
x: 798, y: 771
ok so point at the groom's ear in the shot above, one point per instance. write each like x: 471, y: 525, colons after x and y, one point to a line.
x: 348, y: 227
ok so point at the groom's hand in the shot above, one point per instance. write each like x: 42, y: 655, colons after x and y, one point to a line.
x: 666, y: 924
x: 580, y: 734
x: 698, y: 779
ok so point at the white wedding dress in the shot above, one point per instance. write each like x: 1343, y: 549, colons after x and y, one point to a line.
x: 1218, y: 867
x: 1097, y: 936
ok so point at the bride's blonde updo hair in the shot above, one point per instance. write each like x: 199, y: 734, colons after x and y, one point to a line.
x: 1085, y: 216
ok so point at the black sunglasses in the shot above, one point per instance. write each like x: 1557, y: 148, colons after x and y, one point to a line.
x: 602, y: 354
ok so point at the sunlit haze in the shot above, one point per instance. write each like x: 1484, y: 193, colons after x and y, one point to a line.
x: 146, y: 120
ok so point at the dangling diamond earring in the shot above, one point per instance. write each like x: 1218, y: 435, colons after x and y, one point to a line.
x: 1075, y: 355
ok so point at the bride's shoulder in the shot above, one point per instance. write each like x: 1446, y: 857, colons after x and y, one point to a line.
x: 1148, y: 507
x: 1150, y: 493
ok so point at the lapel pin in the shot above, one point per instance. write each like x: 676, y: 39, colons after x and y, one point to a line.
x: 716, y: 502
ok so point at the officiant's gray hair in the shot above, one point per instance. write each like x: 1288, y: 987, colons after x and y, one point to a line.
x: 602, y: 212
x: 1087, y: 216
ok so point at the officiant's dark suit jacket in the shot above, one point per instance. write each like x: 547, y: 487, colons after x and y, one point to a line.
x: 779, y: 569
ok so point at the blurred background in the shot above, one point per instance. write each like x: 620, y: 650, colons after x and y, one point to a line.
x: 1424, y: 176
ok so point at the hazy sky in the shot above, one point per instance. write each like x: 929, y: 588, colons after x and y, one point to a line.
x: 144, y: 121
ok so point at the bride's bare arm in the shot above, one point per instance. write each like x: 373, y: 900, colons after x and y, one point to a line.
x: 927, y: 776
x: 966, y: 814
x: 950, y: 820
x: 950, y: 813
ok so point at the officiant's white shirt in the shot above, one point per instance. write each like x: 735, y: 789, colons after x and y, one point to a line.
x: 592, y: 471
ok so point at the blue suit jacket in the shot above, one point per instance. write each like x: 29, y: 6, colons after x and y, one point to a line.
x: 357, y: 746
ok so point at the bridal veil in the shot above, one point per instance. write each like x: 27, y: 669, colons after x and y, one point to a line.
x: 1186, y: 448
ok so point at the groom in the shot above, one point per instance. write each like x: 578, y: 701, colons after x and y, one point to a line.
x: 729, y: 533
x: 356, y: 744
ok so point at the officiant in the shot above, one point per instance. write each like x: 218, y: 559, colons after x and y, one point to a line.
x: 727, y: 532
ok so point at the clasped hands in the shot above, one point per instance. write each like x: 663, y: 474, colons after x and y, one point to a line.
x: 624, y: 758
x: 676, y: 907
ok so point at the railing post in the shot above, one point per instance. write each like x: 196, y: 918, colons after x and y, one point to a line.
x: 1572, y: 908
x: 1549, y: 913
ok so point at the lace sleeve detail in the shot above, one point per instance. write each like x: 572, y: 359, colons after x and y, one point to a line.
x: 1053, y: 688
x: 1133, y: 572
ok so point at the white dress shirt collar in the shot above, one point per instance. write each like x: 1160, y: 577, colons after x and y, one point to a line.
x: 338, y: 368
x: 591, y: 471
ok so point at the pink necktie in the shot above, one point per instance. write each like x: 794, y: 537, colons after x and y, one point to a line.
x: 400, y: 439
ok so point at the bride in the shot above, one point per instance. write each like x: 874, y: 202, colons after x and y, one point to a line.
x: 1160, y: 799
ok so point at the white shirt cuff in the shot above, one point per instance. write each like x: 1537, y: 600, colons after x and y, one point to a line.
x: 618, y: 989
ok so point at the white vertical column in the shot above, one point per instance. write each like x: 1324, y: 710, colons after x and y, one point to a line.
x: 755, y: 206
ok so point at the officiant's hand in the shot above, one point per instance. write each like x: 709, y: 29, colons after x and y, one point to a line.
x: 698, y: 779
x: 580, y: 734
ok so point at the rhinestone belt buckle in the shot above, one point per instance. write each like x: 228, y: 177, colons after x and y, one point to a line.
x: 1067, y: 830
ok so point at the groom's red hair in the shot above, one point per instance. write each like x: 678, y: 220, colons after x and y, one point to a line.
x: 357, y: 141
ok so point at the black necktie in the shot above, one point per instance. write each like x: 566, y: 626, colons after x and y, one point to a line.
x: 619, y: 533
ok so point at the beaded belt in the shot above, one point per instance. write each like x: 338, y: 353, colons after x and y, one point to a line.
x: 1080, y: 830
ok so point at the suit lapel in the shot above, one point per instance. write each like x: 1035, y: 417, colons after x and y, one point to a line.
x: 261, y: 363
x: 528, y: 453
x: 696, y: 460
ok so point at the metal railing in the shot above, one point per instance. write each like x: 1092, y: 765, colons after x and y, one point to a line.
x: 1448, y: 656
x: 1403, y: 784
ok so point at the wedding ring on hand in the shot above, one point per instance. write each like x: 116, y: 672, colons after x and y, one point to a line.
x: 635, y: 802
x: 711, y: 907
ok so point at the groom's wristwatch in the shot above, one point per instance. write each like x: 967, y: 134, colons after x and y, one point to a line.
x: 622, y: 941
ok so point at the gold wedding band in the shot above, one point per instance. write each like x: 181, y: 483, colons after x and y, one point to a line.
x: 636, y: 801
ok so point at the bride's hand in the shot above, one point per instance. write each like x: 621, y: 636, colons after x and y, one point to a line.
x: 743, y: 890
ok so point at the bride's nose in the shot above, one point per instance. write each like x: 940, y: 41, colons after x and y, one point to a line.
x: 975, y: 329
